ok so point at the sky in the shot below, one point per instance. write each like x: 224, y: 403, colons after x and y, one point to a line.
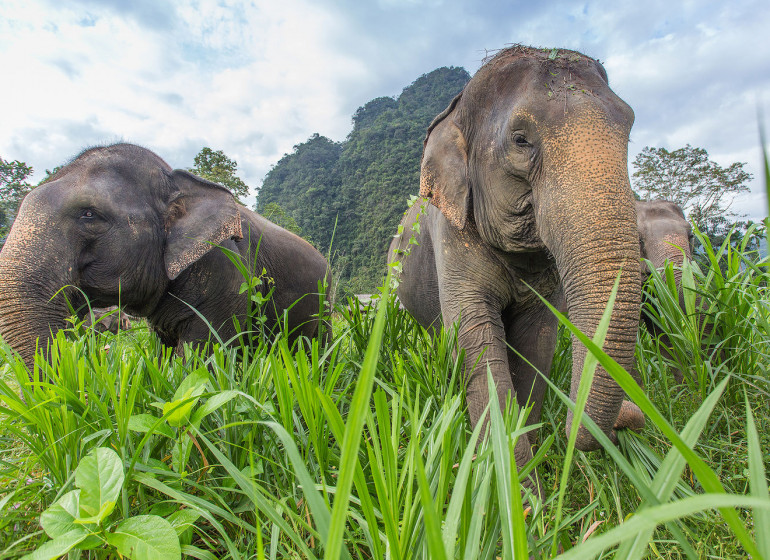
x: 253, y: 79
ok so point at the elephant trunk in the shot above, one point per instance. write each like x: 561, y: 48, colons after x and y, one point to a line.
x: 30, y: 307
x: 589, y: 225
x: 674, y: 249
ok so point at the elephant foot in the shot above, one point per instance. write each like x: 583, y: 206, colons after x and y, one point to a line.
x: 630, y: 416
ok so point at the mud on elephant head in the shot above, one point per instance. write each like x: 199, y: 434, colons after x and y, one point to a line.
x: 122, y: 227
x: 524, y: 182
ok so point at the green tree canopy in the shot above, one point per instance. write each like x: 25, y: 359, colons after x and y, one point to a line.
x: 279, y: 216
x: 215, y: 166
x: 704, y: 189
x: 13, y: 187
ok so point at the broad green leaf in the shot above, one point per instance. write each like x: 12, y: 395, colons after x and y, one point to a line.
x: 59, y: 518
x: 183, y: 519
x: 211, y: 405
x: 57, y: 547
x: 100, y: 478
x: 146, y: 537
x: 106, y: 509
x: 143, y: 423
x: 177, y: 412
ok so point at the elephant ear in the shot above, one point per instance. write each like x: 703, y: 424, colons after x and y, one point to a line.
x: 444, y: 171
x: 201, y: 214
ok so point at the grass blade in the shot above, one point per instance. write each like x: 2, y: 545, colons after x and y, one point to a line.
x: 707, y: 477
x: 758, y: 483
x: 650, y: 518
x: 353, y: 430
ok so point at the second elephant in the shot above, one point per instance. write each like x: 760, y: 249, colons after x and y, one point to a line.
x: 665, y: 235
x: 122, y: 227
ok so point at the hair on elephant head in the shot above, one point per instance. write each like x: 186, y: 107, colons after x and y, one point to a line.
x: 121, y: 227
x: 524, y: 182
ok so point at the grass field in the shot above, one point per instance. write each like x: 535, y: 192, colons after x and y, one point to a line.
x: 362, y: 448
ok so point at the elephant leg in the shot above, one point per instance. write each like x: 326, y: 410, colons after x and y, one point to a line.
x: 531, y: 336
x: 482, y: 335
x: 484, y: 329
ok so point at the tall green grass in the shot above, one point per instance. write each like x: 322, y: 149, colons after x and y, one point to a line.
x: 360, y: 447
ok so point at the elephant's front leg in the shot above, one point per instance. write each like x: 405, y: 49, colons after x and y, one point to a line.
x: 481, y: 334
x: 531, y: 334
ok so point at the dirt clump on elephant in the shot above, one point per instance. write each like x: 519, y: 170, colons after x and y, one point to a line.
x: 118, y: 225
x: 524, y: 182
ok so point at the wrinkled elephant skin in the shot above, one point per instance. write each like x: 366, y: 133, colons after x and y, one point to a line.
x: 120, y: 226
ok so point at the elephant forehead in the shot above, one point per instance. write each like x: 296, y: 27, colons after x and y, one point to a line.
x: 587, y: 143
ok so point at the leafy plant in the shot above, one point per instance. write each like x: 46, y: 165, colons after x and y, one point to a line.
x: 80, y: 519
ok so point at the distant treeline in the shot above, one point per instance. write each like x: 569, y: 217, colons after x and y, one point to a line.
x: 361, y: 184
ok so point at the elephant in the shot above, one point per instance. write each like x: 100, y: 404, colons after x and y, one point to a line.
x: 119, y: 226
x: 664, y: 235
x: 524, y: 188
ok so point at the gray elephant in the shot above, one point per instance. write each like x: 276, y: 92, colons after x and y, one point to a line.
x: 122, y: 227
x: 664, y: 235
x: 524, y: 183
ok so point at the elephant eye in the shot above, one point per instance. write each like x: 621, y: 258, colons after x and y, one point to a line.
x: 521, y: 141
x: 89, y: 215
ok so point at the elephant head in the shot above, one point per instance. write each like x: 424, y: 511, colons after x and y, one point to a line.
x: 664, y: 235
x: 117, y: 224
x: 532, y: 157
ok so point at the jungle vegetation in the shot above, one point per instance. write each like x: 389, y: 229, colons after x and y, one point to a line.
x: 350, y: 195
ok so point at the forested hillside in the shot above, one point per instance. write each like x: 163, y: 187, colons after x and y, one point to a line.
x: 363, y: 182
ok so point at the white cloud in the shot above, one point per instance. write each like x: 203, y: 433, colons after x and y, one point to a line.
x: 255, y: 78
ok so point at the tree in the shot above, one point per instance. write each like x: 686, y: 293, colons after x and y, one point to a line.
x: 49, y: 173
x: 704, y: 189
x: 215, y: 166
x: 13, y: 187
x: 279, y: 216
